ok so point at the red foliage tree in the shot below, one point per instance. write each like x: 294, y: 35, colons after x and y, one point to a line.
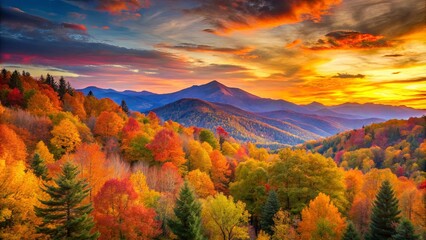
x: 167, y: 147
x: 15, y: 98
x: 119, y: 216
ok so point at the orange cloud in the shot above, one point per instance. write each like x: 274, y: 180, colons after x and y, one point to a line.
x: 206, y: 48
x: 115, y: 7
x: 79, y: 27
x: 350, y: 40
x: 294, y: 43
x: 231, y: 15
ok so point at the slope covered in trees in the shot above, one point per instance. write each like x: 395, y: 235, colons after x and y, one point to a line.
x: 399, y: 145
x: 146, y: 178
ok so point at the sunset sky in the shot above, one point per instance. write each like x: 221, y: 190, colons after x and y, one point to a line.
x: 328, y: 51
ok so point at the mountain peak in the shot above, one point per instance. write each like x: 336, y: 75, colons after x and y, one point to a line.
x: 214, y: 83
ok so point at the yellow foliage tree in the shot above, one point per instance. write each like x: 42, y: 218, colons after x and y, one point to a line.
x: 198, y: 157
x: 40, y: 104
x: 19, y: 190
x: 42, y: 150
x: 146, y: 196
x: 225, y: 219
x: 201, y: 183
x: 321, y: 220
x: 65, y: 136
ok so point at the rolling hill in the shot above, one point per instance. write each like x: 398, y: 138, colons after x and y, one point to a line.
x: 218, y: 93
x: 241, y: 125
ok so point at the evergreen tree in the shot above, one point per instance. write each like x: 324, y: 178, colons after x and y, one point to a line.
x: 90, y: 94
x: 405, y: 231
x: 70, y: 90
x: 351, y: 233
x: 64, y: 216
x: 51, y: 82
x: 124, y: 107
x: 271, y: 207
x: 62, y: 87
x: 385, y: 214
x: 187, y: 226
x: 39, y: 168
x: 15, y: 81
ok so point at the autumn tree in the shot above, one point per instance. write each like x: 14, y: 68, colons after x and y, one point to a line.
x: 119, y: 216
x: 146, y: 196
x: 269, y: 210
x: 208, y: 136
x: 65, y: 137
x: 321, y: 220
x: 15, y: 98
x: 298, y: 177
x: 220, y: 171
x: 12, y: 148
x: 39, y: 104
x: 92, y: 165
x: 225, y: 219
x: 166, y: 147
x: 108, y: 124
x: 64, y: 216
x: 283, y: 229
x: 385, y: 214
x: 44, y: 153
x: 251, y: 179
x: 201, y: 183
x: 18, y: 194
x: 198, y: 157
x: 187, y: 223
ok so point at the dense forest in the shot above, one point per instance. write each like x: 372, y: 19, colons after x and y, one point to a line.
x: 76, y: 167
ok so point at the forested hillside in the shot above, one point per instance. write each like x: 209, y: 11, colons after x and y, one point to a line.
x: 76, y: 167
x: 399, y: 145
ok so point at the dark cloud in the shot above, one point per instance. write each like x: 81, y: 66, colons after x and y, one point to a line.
x: 230, y: 15
x: 349, y: 40
x: 18, y: 23
x: 115, y: 7
x: 206, y: 48
x: 393, y: 55
x: 347, y: 75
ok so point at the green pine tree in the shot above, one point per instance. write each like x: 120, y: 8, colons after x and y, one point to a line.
x: 405, y: 231
x: 62, y: 87
x: 39, y: 168
x: 16, y: 82
x: 124, y: 107
x: 270, y: 208
x: 187, y: 226
x: 351, y: 233
x: 385, y: 214
x: 64, y: 216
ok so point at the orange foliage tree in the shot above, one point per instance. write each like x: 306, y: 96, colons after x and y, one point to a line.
x: 108, y: 124
x: 201, y: 182
x: 118, y: 216
x: 167, y: 147
x: 92, y: 165
x: 321, y: 220
x: 12, y: 148
x: 220, y: 171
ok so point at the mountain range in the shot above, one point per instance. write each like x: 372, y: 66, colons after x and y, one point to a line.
x: 248, y: 117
